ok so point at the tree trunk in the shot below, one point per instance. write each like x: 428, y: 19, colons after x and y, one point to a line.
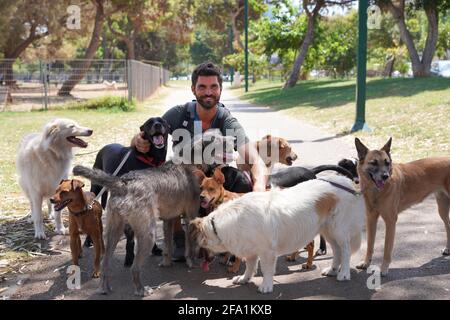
x: 420, y: 67
x: 79, y: 74
x: 432, y: 37
x: 237, y: 43
x: 309, y: 37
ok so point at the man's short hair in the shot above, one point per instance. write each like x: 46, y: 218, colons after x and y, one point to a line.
x: 206, y: 69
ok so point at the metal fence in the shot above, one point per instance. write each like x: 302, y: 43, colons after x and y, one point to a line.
x: 44, y: 84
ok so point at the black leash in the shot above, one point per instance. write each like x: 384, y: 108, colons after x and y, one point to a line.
x: 337, y: 185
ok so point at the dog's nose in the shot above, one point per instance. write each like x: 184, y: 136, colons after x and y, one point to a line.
x: 158, y: 126
x: 385, y: 176
x: 52, y: 200
x: 202, y: 197
x: 90, y: 131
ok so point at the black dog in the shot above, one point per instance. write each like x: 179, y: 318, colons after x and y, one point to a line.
x: 291, y: 176
x: 110, y: 156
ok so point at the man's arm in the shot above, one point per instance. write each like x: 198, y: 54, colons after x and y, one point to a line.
x: 258, y: 169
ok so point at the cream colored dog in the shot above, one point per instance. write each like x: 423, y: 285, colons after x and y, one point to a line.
x: 43, y: 160
x: 264, y: 225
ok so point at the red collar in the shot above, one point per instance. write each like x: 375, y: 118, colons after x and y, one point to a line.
x: 150, y: 161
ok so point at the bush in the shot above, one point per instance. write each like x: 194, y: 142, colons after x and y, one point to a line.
x: 108, y: 104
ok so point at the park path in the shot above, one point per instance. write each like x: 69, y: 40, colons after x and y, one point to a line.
x: 418, y: 270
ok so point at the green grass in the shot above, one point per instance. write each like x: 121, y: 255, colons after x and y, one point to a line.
x: 415, y: 112
x: 104, y: 104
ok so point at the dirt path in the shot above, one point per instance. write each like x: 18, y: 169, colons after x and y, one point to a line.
x: 418, y: 270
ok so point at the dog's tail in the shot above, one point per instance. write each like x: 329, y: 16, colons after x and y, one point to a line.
x: 338, y: 169
x: 99, y: 177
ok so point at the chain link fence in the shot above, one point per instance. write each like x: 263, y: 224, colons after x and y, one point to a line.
x: 44, y: 84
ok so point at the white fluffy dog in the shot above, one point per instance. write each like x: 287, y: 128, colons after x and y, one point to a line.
x: 43, y: 160
x: 264, y: 225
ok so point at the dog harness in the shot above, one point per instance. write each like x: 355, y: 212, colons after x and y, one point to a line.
x: 337, y: 185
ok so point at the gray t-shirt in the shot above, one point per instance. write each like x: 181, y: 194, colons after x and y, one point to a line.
x: 184, y: 116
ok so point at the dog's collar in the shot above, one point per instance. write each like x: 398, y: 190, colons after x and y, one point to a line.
x: 88, y: 207
x: 337, y: 185
x: 150, y: 161
x: 214, y: 229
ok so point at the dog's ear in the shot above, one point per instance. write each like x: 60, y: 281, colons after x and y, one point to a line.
x: 387, y: 147
x: 51, y: 130
x: 195, y: 228
x: 361, y: 149
x: 200, y: 175
x: 77, y: 184
x: 218, y: 175
x: 142, y: 128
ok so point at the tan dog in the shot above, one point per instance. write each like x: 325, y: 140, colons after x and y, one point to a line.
x: 214, y: 194
x: 283, y: 153
x: 391, y: 188
x: 85, y: 216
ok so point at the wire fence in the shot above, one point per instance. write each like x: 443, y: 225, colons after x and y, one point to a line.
x: 44, y: 84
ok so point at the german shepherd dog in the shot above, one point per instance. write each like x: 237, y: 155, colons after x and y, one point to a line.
x: 389, y: 189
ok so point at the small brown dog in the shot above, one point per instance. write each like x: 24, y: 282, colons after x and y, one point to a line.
x: 212, y: 195
x: 85, y: 217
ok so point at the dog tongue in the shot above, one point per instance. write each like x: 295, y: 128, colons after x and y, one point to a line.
x: 158, y: 140
x: 204, y: 204
x: 379, y: 183
x: 205, y: 266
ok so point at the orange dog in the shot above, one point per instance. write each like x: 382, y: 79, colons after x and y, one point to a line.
x: 85, y: 216
x: 212, y: 195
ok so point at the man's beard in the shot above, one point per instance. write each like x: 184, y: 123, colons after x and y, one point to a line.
x: 208, y: 104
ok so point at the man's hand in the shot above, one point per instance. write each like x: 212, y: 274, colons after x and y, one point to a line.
x: 140, y: 143
x: 259, y: 170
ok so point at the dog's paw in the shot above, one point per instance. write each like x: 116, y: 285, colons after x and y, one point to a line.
x: 384, y: 270
x: 363, y: 265
x: 265, y: 288
x: 40, y: 235
x: 104, y: 288
x: 307, y: 266
x: 62, y: 231
x: 446, y: 252
x: 240, y: 280
x: 189, y: 263
x: 329, y: 272
x: 292, y: 257
x: 343, y: 276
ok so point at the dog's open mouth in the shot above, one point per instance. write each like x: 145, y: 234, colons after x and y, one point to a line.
x: 289, y: 161
x: 205, y: 203
x: 379, y: 183
x: 76, y: 141
x: 61, y: 205
x: 158, y: 141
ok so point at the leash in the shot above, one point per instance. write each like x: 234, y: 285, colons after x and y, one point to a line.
x: 124, y: 159
x: 337, y: 185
